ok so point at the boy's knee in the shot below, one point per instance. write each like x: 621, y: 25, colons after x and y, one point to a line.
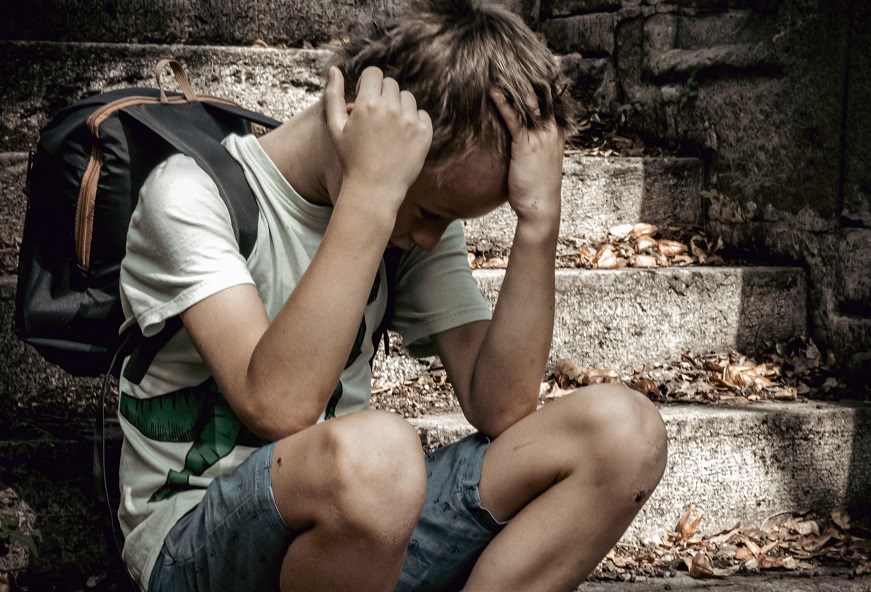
x: 628, y: 431
x: 379, y: 478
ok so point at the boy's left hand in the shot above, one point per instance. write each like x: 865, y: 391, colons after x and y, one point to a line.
x: 535, y: 169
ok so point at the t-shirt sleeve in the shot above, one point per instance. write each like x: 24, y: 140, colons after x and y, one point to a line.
x: 180, y: 246
x: 435, y: 291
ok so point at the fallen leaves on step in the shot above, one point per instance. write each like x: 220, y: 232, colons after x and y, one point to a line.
x: 798, y: 541
x: 640, y: 245
x: 725, y: 377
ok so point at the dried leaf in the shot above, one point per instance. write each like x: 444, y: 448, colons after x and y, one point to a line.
x: 599, y: 375
x: 605, y: 258
x: 671, y: 248
x: 841, y: 518
x: 643, y: 229
x: 473, y: 262
x: 701, y: 567
x: 566, y: 372
x: 743, y: 554
x: 645, y: 261
x: 645, y: 242
x: 586, y: 255
x: 687, y: 525
x: 621, y: 230
x: 767, y: 562
x: 259, y: 43
x: 495, y: 263
x: 751, y: 546
x: 786, y: 394
x: 725, y: 536
x: 814, y: 544
x: 645, y: 386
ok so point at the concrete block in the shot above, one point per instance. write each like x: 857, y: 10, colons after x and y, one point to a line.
x: 587, y: 34
x: 50, y: 76
x: 623, y: 319
x: 741, y: 463
x: 599, y: 193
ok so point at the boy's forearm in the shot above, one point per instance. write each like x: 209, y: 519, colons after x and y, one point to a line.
x: 513, y: 356
x: 299, y: 360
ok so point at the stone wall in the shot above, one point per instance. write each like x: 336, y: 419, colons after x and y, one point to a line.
x: 773, y: 96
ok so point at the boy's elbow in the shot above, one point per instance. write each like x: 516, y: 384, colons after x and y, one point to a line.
x: 494, y: 422
x: 272, y: 417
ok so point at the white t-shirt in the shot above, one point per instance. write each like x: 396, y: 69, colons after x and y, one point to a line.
x: 180, y: 250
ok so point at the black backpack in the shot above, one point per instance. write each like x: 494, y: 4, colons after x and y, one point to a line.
x: 82, y: 185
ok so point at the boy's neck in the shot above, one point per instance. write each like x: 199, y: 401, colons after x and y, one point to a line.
x: 302, y: 150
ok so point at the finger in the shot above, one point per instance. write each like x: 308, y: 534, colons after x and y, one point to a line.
x: 390, y: 89
x: 334, y: 102
x: 531, y: 101
x: 508, y: 113
x: 408, y: 102
x: 426, y: 121
x: 370, y: 82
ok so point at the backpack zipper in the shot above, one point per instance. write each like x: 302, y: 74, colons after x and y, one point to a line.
x: 84, y: 221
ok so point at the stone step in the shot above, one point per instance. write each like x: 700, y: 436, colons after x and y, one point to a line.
x: 741, y: 463
x: 598, y: 194
x: 624, y: 319
x: 731, y: 464
x: 219, y: 22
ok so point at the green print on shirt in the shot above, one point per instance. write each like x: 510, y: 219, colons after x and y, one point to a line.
x: 200, y: 415
x: 330, y: 413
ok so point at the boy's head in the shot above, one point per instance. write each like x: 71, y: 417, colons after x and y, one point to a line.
x: 449, y: 54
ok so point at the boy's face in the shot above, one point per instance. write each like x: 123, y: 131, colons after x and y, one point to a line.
x: 470, y: 189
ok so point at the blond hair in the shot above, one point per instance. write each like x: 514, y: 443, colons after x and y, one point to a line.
x: 449, y: 54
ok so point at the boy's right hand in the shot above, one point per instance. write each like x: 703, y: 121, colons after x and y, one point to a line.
x: 383, y: 142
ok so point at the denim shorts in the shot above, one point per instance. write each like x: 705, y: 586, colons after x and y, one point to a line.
x: 235, y: 539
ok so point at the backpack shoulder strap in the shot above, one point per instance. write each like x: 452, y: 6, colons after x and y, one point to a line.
x: 175, y: 128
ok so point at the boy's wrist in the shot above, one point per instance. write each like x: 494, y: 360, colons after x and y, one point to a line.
x: 541, y: 217
x: 371, y: 207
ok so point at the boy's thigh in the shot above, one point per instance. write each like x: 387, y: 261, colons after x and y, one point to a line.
x: 453, y: 529
x: 234, y: 539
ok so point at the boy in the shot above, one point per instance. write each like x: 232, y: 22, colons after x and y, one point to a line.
x: 232, y: 480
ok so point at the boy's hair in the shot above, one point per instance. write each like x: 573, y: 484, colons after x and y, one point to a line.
x: 449, y: 54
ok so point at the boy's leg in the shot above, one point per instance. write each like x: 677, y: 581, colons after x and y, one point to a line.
x: 571, y: 477
x: 329, y: 508
x: 352, y: 489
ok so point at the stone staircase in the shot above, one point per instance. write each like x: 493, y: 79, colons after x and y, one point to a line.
x: 731, y: 463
